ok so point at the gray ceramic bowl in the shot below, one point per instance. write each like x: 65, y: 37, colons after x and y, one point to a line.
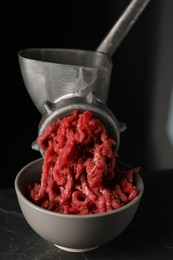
x: 75, y: 233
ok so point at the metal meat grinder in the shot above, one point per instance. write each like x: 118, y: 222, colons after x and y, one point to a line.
x: 61, y: 80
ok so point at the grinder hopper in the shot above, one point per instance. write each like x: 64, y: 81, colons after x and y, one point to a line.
x: 60, y: 80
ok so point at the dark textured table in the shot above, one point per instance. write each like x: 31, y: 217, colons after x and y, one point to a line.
x: 149, y: 236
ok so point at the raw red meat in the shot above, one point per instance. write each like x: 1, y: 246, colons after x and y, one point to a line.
x: 80, y: 173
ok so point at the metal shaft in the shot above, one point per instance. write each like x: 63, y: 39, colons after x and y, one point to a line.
x: 122, y: 27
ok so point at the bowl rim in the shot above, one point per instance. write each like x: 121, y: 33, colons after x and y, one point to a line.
x: 72, y: 216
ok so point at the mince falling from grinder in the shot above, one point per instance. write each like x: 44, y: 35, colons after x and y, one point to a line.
x: 61, y: 80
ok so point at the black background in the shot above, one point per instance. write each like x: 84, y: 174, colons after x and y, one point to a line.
x: 80, y: 25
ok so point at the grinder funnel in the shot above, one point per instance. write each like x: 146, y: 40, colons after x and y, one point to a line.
x: 61, y: 80
x: 54, y: 74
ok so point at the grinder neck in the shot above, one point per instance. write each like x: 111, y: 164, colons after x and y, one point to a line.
x: 65, y: 107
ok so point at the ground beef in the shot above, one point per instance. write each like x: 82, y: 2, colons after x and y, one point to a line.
x: 80, y: 173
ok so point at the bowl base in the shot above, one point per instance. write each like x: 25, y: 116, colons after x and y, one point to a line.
x: 76, y: 250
